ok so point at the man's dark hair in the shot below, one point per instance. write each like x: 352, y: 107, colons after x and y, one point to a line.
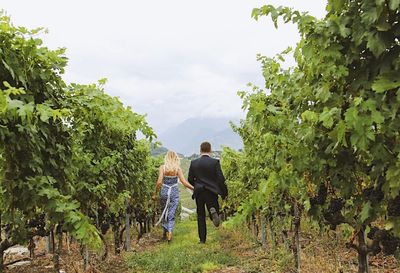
x: 205, y: 147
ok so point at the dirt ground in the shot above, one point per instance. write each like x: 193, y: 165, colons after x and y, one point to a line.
x: 318, y: 255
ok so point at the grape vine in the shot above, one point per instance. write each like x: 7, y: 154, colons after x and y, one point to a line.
x: 325, y: 141
x: 71, y: 161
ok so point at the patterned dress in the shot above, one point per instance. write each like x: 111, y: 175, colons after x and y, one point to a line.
x: 169, y: 198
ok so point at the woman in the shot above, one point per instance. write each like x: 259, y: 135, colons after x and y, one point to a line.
x: 169, y: 173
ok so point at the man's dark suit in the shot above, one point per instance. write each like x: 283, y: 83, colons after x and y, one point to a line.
x: 206, y: 176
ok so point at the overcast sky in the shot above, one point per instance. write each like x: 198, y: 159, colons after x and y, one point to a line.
x: 170, y: 59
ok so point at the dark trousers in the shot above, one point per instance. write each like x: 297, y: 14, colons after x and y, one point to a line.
x: 209, y: 199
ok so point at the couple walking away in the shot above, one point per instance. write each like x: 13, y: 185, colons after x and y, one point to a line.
x: 205, y: 179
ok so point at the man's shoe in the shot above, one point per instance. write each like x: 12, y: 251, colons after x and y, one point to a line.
x: 202, y: 242
x: 215, y: 217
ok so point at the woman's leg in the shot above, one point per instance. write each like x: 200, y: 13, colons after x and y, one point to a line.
x: 163, y: 202
x: 174, y: 202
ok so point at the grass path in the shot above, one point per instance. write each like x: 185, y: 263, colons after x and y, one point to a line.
x: 184, y: 254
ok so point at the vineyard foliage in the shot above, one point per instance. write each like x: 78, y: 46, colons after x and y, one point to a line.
x: 69, y: 153
x: 324, y: 135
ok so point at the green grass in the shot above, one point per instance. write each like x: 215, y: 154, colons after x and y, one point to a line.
x: 183, y: 254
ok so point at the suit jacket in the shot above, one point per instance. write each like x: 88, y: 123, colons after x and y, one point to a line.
x: 205, y: 172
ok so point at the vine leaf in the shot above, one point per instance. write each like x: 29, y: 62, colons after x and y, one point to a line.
x: 386, y: 81
x: 365, y: 212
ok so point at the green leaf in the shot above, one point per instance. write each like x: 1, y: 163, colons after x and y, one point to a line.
x: 259, y: 106
x: 366, y: 211
x: 394, y: 4
x: 351, y: 116
x: 357, y: 101
x: 26, y: 111
x: 44, y: 112
x: 377, y: 117
x: 307, y: 205
x: 3, y: 103
x: 326, y: 117
x: 370, y: 15
x: 383, y: 24
x: 15, y: 104
x: 273, y: 109
x: 389, y: 225
x: 393, y: 178
x: 255, y: 13
x: 323, y: 93
x: 338, y: 5
x: 9, y: 69
x: 309, y: 116
x: 386, y: 82
x: 375, y: 44
x: 341, y: 133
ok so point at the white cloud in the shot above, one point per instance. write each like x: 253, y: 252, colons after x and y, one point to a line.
x: 172, y: 59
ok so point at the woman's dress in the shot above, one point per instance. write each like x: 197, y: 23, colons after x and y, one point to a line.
x: 169, y: 199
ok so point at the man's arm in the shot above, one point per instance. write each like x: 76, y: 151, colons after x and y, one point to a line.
x: 191, y: 175
x: 221, y: 181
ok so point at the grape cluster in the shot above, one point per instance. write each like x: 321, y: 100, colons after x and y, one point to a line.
x: 374, y: 235
x: 104, y: 221
x: 38, y: 224
x: 333, y: 214
x: 320, y: 198
x: 383, y: 241
x: 335, y: 205
x: 375, y: 195
x: 104, y: 227
x: 389, y: 243
x: 394, y: 207
x: 373, y: 231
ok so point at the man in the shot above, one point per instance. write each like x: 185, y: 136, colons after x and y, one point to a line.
x: 206, y: 176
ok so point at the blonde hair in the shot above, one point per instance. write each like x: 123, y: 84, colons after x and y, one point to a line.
x: 171, y: 162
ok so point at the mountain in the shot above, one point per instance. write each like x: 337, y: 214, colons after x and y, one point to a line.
x: 187, y: 136
x: 158, y: 151
x: 161, y: 151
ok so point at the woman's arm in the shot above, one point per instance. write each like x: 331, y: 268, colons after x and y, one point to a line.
x: 159, y: 181
x: 183, y: 180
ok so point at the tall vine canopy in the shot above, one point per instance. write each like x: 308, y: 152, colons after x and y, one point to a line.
x: 66, y: 150
x: 323, y: 137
